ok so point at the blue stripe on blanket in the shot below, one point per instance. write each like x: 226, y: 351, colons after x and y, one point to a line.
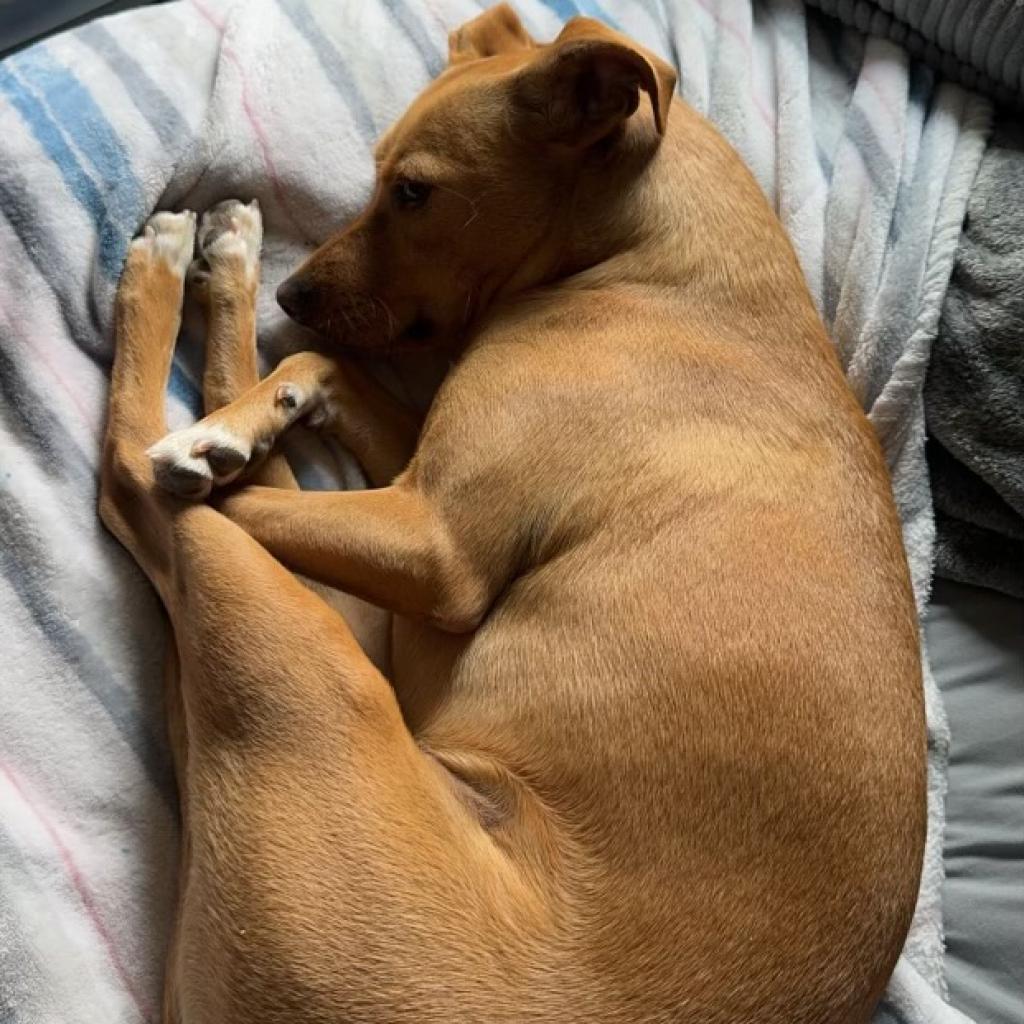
x: 920, y: 89
x: 28, y: 416
x: 149, y: 99
x: 434, y: 58
x: 113, y: 240
x: 19, y: 947
x: 566, y: 9
x: 82, y: 120
x: 858, y: 130
x: 665, y: 24
x: 185, y: 391
x: 333, y: 63
x: 45, y: 255
x: 28, y: 568
x: 18, y: 204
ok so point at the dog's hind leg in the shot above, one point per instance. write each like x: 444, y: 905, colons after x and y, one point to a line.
x: 148, y: 316
x: 224, y: 279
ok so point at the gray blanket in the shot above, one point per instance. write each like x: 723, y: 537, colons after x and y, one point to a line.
x: 974, y: 394
x: 974, y: 397
x: 978, y: 43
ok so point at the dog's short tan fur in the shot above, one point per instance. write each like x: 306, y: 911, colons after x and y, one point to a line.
x: 650, y: 747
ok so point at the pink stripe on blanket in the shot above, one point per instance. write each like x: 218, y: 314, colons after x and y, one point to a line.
x: 80, y: 886
x: 90, y: 417
x: 734, y: 30
x: 253, y: 118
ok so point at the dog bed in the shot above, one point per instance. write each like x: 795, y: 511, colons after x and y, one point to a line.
x: 867, y: 157
x: 976, y: 645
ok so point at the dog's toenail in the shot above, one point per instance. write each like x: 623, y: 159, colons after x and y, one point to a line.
x: 201, y: 448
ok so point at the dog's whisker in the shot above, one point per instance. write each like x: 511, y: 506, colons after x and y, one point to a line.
x: 474, y: 204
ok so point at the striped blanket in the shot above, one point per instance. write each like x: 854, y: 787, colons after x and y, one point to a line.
x: 867, y: 159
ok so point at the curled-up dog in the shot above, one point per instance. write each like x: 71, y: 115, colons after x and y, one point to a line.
x: 647, y: 741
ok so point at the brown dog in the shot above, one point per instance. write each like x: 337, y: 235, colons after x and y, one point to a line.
x: 651, y: 743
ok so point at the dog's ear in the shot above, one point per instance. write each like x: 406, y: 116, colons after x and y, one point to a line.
x: 587, y: 82
x: 497, y: 30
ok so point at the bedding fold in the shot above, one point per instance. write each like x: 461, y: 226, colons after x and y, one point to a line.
x: 978, y: 44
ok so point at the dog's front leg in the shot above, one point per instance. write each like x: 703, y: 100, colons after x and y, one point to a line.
x: 332, y: 396
x: 389, y: 546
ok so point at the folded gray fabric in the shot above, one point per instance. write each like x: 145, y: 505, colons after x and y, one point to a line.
x: 978, y: 43
x: 979, y: 538
x: 974, y: 393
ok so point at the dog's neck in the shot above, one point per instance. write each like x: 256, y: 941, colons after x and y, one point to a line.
x: 614, y: 210
x: 677, y: 212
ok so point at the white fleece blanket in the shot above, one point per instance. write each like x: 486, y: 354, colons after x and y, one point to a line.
x: 867, y: 159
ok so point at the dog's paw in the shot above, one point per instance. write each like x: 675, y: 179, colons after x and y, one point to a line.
x: 230, y: 233
x: 190, y: 462
x: 168, y: 238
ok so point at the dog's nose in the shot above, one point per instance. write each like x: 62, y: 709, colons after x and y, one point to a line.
x: 294, y: 295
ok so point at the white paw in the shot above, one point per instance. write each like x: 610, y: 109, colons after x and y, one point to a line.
x: 232, y: 231
x: 190, y: 462
x: 170, y: 239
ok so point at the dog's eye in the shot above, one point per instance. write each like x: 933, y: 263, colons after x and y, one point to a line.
x: 410, y: 194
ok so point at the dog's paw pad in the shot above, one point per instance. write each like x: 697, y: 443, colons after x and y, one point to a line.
x: 190, y: 462
x: 186, y: 481
x: 233, y: 231
x: 225, y: 461
x: 169, y: 238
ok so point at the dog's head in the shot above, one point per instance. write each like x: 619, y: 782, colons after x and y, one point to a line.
x: 474, y: 182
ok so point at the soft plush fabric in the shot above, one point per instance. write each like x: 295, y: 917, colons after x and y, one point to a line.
x: 979, y: 43
x: 868, y: 161
x: 976, y: 640
x: 974, y: 394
